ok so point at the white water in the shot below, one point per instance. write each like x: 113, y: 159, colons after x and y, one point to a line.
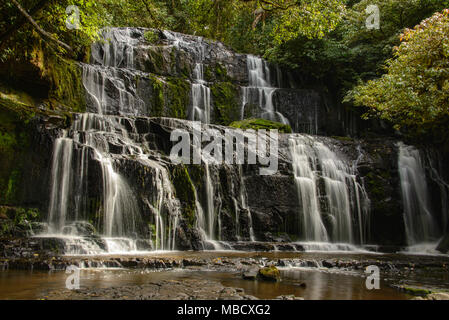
x: 304, y: 167
x: 200, y: 106
x: 117, y: 48
x: 61, y: 182
x: 313, y: 162
x: 420, y: 225
x: 259, y: 91
x: 120, y: 217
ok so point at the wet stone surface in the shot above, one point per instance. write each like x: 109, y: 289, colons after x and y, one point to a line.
x: 160, y: 290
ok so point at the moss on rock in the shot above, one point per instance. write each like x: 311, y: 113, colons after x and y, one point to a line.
x: 226, y: 101
x: 151, y: 36
x: 66, y: 84
x: 17, y: 221
x: 178, y: 97
x: 185, y: 192
x: 258, y: 124
x: 270, y: 273
x: 14, y: 140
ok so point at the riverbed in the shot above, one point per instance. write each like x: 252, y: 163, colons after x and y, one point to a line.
x: 302, y: 275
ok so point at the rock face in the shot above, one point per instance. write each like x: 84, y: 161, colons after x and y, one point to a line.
x: 136, y: 77
x: 105, y: 178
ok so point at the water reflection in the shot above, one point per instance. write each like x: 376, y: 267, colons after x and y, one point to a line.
x: 318, y: 284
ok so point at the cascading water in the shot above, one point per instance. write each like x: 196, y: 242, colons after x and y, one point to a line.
x: 200, y: 93
x: 420, y: 225
x: 61, y: 181
x: 102, y: 143
x: 119, y: 217
x: 117, y: 48
x: 120, y: 223
x: 330, y: 197
x: 259, y: 91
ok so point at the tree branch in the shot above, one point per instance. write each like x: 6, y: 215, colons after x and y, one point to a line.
x: 39, y: 29
x: 4, y: 37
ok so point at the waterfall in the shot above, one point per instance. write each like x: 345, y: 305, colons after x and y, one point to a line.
x: 420, y: 225
x: 304, y: 169
x: 244, y: 202
x: 330, y: 198
x: 61, y: 181
x: 208, y: 216
x: 200, y: 105
x: 97, y: 204
x: 116, y: 49
x: 120, y: 224
x: 259, y: 91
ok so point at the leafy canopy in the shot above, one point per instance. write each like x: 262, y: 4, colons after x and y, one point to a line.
x: 415, y: 90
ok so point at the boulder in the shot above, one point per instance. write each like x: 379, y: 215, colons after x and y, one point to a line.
x: 443, y: 245
x: 270, y: 273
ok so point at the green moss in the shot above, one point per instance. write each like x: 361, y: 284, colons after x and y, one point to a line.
x: 157, y: 96
x: 14, y: 142
x: 156, y: 62
x: 226, y: 102
x: 269, y: 273
x: 178, y: 97
x: 342, y: 138
x: 151, y: 36
x: 67, y: 89
x: 12, y: 187
x: 185, y: 192
x: 208, y: 73
x: 221, y: 73
x: 17, y: 220
x: 216, y: 73
x: 196, y: 173
x: 415, y: 291
x: 258, y: 124
x: 375, y: 186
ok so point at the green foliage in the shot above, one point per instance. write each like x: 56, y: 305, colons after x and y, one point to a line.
x: 52, y: 18
x: 151, y: 36
x: 258, y: 124
x: 309, y: 18
x: 415, y: 90
x: 17, y: 221
x: 14, y: 141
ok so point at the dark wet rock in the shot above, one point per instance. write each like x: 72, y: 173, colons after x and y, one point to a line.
x: 328, y: 264
x: 443, y: 245
x: 81, y: 228
x: 161, y: 290
x: 193, y: 263
x: 143, y: 245
x: 289, y: 297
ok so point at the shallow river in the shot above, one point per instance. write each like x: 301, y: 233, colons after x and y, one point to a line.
x: 320, y: 283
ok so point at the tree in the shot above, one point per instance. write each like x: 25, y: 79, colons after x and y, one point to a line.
x: 414, y: 93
